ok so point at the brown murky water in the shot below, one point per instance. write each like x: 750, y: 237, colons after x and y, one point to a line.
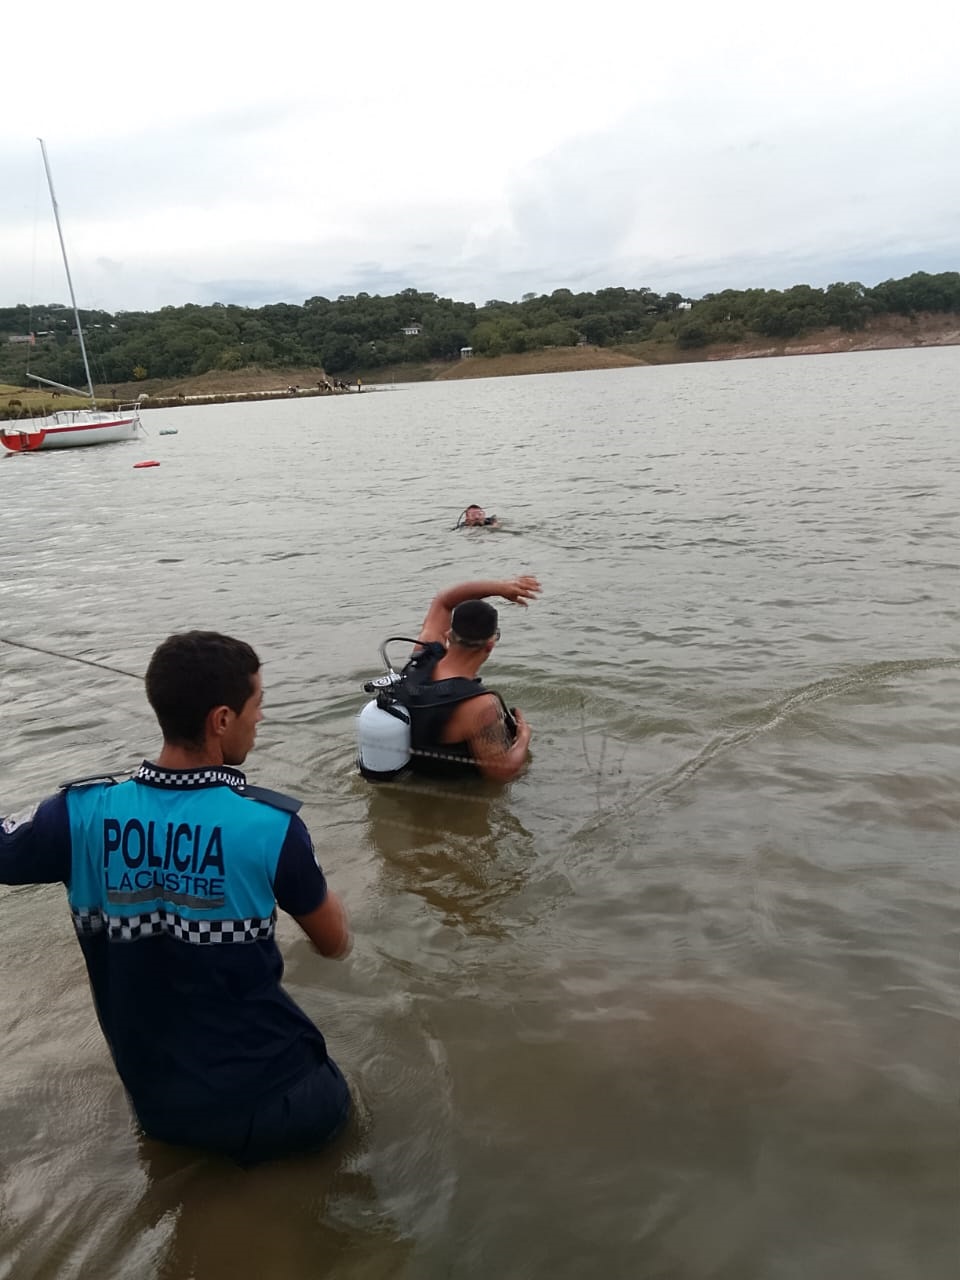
x: 680, y: 1003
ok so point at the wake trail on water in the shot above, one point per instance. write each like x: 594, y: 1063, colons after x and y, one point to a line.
x: 765, y: 719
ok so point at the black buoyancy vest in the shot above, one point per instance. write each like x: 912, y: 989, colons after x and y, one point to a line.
x: 431, y: 703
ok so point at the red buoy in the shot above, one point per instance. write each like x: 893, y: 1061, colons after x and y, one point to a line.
x: 152, y: 463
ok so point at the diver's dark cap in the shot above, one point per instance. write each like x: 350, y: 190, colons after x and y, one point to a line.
x: 474, y: 621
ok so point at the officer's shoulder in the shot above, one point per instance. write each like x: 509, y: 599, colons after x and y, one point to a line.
x: 95, y: 780
x: 275, y: 799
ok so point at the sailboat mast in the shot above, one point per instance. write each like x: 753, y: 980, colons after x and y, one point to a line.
x: 66, y: 267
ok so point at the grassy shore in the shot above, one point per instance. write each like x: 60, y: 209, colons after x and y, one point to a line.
x: 884, y: 333
x: 159, y: 393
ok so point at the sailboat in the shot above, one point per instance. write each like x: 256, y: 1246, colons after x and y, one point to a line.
x: 68, y: 428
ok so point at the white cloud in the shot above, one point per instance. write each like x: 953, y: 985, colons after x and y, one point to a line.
x: 477, y: 152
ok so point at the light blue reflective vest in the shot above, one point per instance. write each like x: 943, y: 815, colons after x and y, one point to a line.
x: 198, y: 864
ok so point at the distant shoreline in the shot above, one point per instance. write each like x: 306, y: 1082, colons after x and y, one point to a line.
x: 886, y: 333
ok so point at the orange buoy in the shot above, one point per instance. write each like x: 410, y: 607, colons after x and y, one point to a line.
x: 152, y: 463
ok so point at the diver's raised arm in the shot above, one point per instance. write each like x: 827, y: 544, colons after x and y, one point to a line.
x: 519, y: 590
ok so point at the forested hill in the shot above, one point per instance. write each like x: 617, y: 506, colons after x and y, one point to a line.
x: 365, y: 332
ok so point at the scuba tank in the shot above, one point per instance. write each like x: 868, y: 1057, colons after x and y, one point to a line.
x: 383, y: 738
x: 383, y: 725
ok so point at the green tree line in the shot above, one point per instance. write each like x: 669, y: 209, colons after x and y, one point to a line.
x: 364, y: 332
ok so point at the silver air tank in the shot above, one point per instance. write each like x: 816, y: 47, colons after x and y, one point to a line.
x: 383, y: 735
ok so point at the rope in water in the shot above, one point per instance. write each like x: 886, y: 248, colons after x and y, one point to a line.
x: 105, y: 666
x: 69, y: 657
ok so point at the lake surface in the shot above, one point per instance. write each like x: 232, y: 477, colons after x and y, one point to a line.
x: 680, y: 1003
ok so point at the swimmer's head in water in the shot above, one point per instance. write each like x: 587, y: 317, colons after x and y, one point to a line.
x: 474, y: 515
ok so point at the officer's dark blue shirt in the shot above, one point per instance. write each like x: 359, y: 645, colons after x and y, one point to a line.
x: 174, y: 878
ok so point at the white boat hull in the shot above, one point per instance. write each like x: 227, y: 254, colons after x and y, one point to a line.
x: 70, y: 429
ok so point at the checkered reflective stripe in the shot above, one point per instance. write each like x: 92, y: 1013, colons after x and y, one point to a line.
x: 90, y: 920
x: 212, y: 775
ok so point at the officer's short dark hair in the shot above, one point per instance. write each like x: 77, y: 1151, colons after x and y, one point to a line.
x: 193, y: 672
x: 474, y: 622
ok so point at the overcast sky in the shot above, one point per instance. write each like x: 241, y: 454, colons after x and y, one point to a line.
x: 208, y: 153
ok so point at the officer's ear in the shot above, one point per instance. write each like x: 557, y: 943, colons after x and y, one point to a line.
x: 218, y: 720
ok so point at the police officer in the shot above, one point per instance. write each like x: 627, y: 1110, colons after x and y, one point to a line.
x: 174, y: 877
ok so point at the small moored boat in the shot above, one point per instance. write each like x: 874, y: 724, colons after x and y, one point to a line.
x: 68, y: 428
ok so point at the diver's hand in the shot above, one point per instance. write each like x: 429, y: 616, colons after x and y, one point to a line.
x: 520, y: 590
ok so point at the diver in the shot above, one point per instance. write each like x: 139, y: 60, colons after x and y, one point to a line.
x: 457, y: 727
x: 473, y: 517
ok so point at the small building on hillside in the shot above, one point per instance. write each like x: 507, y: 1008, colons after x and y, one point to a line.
x: 412, y: 330
x: 466, y: 353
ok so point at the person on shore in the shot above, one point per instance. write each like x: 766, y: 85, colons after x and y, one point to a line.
x: 474, y: 516
x: 173, y: 878
x: 457, y: 727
